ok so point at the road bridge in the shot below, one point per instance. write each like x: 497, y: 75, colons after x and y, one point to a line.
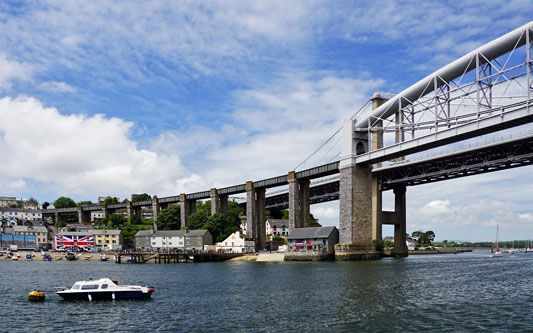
x: 488, y: 90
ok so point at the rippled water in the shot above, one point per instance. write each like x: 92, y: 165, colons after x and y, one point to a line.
x: 465, y: 292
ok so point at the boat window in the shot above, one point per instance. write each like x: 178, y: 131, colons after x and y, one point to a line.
x: 104, y: 286
x: 89, y: 286
x: 76, y: 286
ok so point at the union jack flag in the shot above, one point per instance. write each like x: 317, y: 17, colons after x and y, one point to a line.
x: 74, y: 242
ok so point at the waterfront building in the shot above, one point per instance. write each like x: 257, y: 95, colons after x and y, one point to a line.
x: 74, y: 241
x: 317, y: 239
x: 24, y: 236
x: 142, y: 239
x: 181, y: 239
x: 277, y: 227
x: 236, y: 243
x: 108, y: 240
x: 6, y: 201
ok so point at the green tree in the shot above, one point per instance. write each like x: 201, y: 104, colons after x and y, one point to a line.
x: 277, y: 239
x: 140, y: 197
x: 423, y: 238
x: 197, y: 221
x: 64, y: 202
x: 110, y: 201
x: 34, y: 201
x: 86, y: 202
x: 313, y: 222
x: 170, y: 218
x: 216, y: 224
x: 379, y: 244
x: 116, y: 221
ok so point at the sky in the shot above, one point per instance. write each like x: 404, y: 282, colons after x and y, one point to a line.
x: 105, y: 98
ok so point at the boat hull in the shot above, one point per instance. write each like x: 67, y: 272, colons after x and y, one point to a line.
x: 105, y: 295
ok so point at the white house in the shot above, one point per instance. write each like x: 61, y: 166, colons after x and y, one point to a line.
x: 97, y: 215
x: 236, y: 243
x: 20, y: 215
x: 167, y: 239
x: 181, y: 239
x: 277, y: 227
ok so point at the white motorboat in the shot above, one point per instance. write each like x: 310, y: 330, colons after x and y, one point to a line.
x: 103, y: 289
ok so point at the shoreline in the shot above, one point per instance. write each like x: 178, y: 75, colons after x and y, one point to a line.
x: 59, y: 256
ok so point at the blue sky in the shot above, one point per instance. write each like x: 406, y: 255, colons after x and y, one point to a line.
x: 114, y: 98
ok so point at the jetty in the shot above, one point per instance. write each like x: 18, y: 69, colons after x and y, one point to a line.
x: 172, y: 258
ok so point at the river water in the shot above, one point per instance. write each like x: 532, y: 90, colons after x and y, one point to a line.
x: 464, y: 292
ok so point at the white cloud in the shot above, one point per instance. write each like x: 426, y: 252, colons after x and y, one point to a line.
x: 272, y: 129
x: 436, y: 207
x: 320, y: 212
x: 54, y: 86
x: 11, y: 70
x: 80, y: 156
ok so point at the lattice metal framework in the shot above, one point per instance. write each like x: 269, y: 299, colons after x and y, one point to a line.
x: 483, y: 83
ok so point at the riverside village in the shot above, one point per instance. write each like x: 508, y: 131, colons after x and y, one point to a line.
x: 148, y: 233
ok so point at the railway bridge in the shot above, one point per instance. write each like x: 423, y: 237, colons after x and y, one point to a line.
x: 486, y: 91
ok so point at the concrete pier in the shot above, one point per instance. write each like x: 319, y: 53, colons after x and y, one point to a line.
x: 255, y: 214
x: 187, y: 208
x: 299, y: 202
x: 219, y: 203
x: 156, y: 208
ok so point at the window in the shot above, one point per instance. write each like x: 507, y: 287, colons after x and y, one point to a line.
x: 76, y: 286
x: 104, y: 286
x: 89, y: 286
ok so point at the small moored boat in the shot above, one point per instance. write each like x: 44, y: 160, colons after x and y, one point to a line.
x: 36, y: 295
x: 70, y: 256
x: 29, y: 256
x: 104, y: 289
x: 103, y: 257
x: 47, y: 257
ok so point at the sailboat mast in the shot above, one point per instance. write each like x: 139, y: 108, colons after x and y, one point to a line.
x: 497, y: 231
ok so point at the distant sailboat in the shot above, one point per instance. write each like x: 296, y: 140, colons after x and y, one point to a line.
x: 498, y: 252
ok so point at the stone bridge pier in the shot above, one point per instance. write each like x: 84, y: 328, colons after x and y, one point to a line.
x: 360, y: 197
x: 187, y: 208
x: 83, y: 216
x: 219, y: 203
x: 255, y: 215
x: 299, y: 202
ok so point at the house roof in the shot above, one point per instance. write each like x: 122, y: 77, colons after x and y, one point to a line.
x: 171, y: 233
x: 143, y: 233
x: 308, y: 233
x: 105, y: 232
x: 278, y: 223
x: 23, y: 228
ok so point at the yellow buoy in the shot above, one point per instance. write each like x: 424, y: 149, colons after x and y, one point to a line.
x: 36, y: 295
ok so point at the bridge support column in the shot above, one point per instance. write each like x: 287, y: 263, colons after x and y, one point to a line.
x: 299, y: 202
x: 219, y: 203
x: 255, y: 215
x: 187, y: 207
x: 224, y: 204
x: 156, y: 208
x: 56, y: 218
x: 83, y: 216
x: 376, y: 139
x: 400, y: 246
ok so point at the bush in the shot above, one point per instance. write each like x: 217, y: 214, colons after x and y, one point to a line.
x: 379, y: 244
